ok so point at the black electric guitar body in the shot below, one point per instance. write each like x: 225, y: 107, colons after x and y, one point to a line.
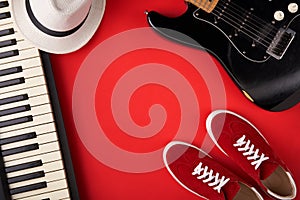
x: 257, y: 42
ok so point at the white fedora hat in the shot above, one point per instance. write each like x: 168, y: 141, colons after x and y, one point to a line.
x: 58, y: 26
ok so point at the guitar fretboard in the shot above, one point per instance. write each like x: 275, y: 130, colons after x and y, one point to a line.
x: 206, y: 5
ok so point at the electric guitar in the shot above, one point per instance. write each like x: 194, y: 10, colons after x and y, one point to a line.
x: 257, y: 42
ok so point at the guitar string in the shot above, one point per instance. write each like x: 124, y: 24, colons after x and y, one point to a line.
x: 255, y: 18
x: 277, y: 47
x: 270, y: 27
x: 250, y: 34
x: 234, y: 25
x: 248, y: 21
x: 254, y: 34
x: 260, y: 34
x: 239, y: 9
x: 245, y: 31
x: 272, y: 32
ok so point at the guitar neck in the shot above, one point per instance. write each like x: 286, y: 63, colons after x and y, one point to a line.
x: 206, y: 5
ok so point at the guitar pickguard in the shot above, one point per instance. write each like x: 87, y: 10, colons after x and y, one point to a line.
x: 246, y: 46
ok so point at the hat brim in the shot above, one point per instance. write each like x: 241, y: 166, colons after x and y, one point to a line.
x: 58, y: 45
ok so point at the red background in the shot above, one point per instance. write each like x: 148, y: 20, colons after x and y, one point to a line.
x: 97, y: 181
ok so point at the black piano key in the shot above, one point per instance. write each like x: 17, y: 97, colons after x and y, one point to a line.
x: 12, y: 82
x: 7, y: 32
x: 22, y: 149
x: 18, y: 138
x: 16, y: 121
x: 5, y: 15
x: 6, y: 43
x: 15, y: 110
x: 23, y: 166
x: 9, y: 54
x: 28, y: 188
x: 26, y: 177
x: 14, y: 99
x: 3, y: 4
x: 9, y: 71
x: 46, y: 199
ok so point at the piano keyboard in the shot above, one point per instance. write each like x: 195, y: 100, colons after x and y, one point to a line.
x: 35, y: 163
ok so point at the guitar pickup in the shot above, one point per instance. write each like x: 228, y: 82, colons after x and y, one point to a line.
x: 280, y: 43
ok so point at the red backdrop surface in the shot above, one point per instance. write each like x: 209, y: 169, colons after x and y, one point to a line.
x: 96, y: 178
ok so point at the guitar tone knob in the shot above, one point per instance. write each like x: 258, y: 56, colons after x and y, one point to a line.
x: 279, y: 15
x: 293, y: 7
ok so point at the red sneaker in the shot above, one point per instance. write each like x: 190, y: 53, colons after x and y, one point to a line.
x: 197, y: 172
x: 237, y: 138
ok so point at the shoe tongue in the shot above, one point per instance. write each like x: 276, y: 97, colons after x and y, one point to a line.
x: 231, y: 189
x: 267, y: 169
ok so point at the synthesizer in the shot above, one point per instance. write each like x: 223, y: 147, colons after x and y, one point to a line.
x: 35, y: 162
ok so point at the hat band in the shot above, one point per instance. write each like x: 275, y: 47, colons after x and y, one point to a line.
x: 45, y: 29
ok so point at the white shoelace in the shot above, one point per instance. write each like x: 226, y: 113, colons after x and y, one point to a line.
x: 207, y: 176
x: 250, y: 152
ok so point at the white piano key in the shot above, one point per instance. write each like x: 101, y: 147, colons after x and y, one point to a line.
x: 5, y: 9
x: 27, y: 63
x: 36, y: 110
x: 38, y: 100
x: 30, y: 82
x: 23, y: 54
x: 20, y: 45
x: 24, y: 44
x: 49, y: 177
x: 62, y: 194
x: 31, y: 91
x: 41, y: 119
x: 49, y: 157
x: 32, y: 101
x: 39, y: 129
x: 46, y: 167
x: 40, y: 139
x: 17, y: 34
x: 28, y: 73
x: 51, y: 186
x: 7, y: 25
x: 45, y: 148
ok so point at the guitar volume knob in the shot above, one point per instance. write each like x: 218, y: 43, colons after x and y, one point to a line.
x: 279, y: 15
x: 293, y: 7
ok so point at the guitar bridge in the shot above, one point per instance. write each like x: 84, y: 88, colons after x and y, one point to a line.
x: 280, y: 43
